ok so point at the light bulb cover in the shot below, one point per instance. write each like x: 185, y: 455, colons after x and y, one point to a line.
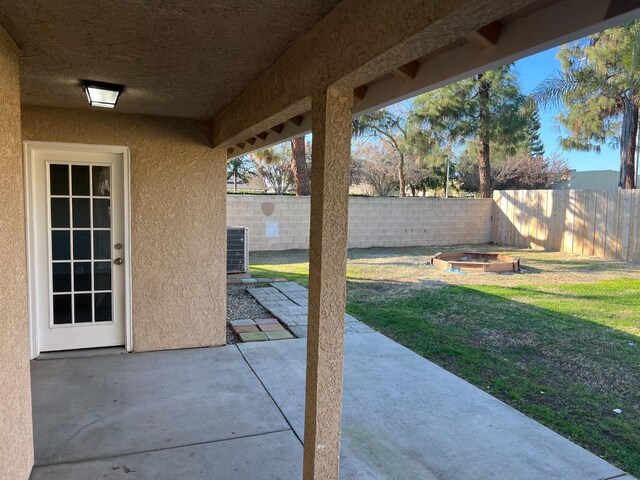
x: 102, y: 94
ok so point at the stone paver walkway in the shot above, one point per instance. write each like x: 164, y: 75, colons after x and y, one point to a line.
x: 259, y: 330
x: 289, y: 301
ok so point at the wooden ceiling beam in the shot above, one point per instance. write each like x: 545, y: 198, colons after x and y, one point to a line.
x: 240, y: 145
x: 620, y: 7
x: 230, y: 150
x: 251, y: 141
x: 278, y: 128
x: 297, y: 120
x: 262, y: 135
x: 360, y: 92
x: 407, y: 72
x: 487, y: 36
x: 522, y: 36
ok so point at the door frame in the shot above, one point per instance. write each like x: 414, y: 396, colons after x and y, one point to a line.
x: 33, y: 270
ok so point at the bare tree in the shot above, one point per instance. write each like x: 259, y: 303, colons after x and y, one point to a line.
x: 521, y: 172
x: 378, y: 164
x: 393, y: 126
x: 531, y: 173
x: 274, y: 166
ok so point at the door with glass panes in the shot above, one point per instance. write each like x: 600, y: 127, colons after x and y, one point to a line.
x: 79, y: 215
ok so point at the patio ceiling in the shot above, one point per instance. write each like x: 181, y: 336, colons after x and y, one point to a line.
x: 250, y: 66
x: 183, y: 58
x: 485, y: 39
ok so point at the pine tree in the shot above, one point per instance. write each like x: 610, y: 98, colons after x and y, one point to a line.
x: 299, y: 167
x: 487, y: 110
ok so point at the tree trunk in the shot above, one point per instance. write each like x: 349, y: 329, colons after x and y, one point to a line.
x: 446, y: 182
x: 235, y: 181
x: 484, y: 154
x: 401, y: 175
x: 299, y: 167
x: 630, y: 181
x: 628, y: 138
x: 485, y: 170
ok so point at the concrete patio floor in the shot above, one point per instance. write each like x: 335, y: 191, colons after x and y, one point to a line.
x: 237, y: 412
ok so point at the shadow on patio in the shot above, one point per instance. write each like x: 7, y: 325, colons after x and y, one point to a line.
x: 237, y: 412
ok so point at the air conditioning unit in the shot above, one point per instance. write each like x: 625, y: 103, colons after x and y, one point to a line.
x: 237, y: 249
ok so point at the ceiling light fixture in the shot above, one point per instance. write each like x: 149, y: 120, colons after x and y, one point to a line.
x: 101, y: 94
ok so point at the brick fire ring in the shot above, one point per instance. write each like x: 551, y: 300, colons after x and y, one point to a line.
x: 475, y: 262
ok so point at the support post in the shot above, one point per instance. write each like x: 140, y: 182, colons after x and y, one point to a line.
x: 16, y: 438
x: 332, y: 114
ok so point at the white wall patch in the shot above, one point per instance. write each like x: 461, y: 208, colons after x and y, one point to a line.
x: 271, y: 229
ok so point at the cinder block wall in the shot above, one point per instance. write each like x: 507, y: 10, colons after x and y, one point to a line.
x: 282, y: 222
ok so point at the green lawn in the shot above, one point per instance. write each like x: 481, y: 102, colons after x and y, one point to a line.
x: 564, y: 354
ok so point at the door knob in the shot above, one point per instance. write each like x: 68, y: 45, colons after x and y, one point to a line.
x: 118, y: 261
x: 118, y: 246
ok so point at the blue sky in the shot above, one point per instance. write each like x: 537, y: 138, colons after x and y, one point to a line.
x: 533, y: 70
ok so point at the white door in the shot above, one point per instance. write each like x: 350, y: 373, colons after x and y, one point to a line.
x: 77, y: 246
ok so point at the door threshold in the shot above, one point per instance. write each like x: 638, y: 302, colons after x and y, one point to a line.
x: 82, y: 353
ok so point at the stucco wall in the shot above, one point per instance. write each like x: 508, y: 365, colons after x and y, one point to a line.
x: 16, y: 443
x: 282, y: 222
x: 177, y: 219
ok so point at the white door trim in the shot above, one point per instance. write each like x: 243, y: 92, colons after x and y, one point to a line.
x: 33, y: 271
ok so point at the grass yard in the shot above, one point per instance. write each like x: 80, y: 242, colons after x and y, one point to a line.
x: 560, y: 343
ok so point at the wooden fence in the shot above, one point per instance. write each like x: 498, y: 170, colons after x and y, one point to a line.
x: 602, y: 223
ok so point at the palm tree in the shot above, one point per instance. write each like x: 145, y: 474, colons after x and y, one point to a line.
x: 239, y: 169
x: 599, y: 88
x: 274, y: 167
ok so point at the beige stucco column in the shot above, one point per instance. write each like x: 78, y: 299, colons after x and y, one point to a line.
x: 327, y: 281
x: 16, y: 443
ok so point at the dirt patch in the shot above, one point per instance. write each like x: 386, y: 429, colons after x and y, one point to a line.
x: 495, y: 338
x: 597, y: 373
x: 475, y: 262
x: 409, y: 269
x: 394, y: 272
x: 466, y: 258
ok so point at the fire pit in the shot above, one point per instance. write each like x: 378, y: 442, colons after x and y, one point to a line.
x: 476, y: 262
